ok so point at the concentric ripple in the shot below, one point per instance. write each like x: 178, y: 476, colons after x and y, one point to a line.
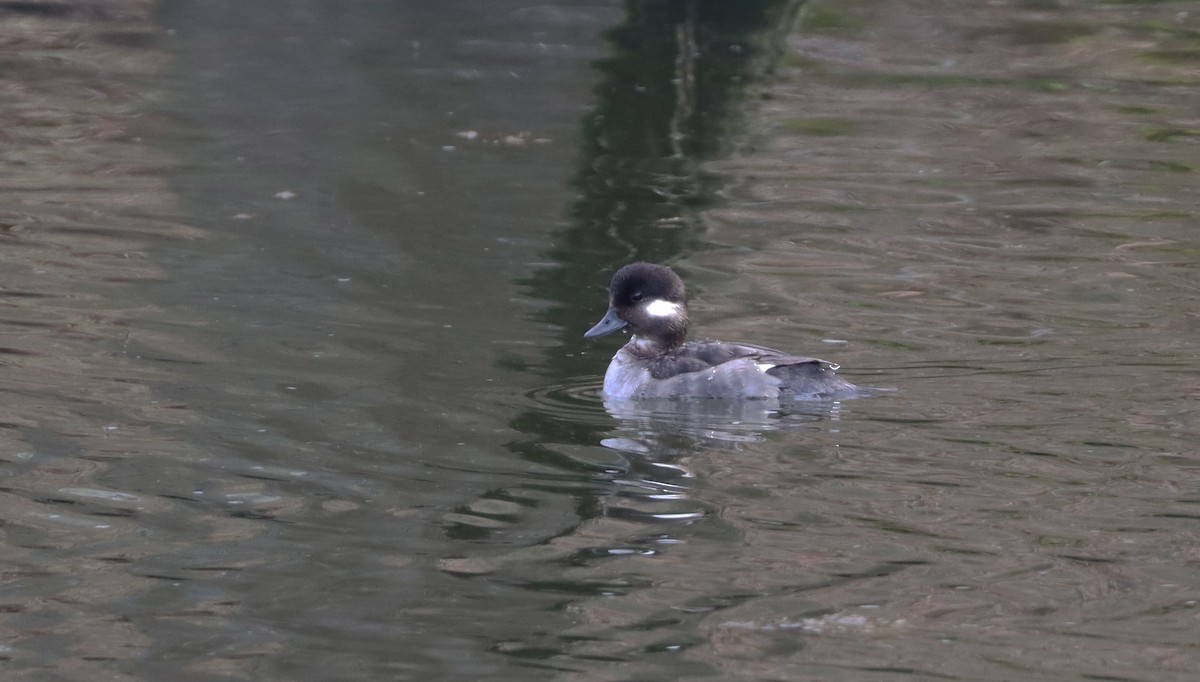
x: 578, y: 399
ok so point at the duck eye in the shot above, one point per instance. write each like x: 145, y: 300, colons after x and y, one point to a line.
x: 637, y: 296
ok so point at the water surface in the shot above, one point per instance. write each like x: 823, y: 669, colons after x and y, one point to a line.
x: 295, y: 384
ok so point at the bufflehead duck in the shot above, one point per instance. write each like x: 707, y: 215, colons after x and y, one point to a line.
x: 656, y: 363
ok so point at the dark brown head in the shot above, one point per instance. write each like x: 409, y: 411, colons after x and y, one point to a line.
x: 650, y: 300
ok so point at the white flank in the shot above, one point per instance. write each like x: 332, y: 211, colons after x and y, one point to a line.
x: 763, y: 366
x: 660, y: 308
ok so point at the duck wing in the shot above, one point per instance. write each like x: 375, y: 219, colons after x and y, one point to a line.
x: 798, y: 375
x: 708, y: 353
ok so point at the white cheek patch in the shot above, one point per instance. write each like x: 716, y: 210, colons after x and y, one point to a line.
x: 660, y: 308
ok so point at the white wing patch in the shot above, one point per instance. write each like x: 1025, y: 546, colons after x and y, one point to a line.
x: 661, y: 308
x: 764, y: 366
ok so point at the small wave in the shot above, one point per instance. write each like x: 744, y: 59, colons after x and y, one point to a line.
x: 576, y: 399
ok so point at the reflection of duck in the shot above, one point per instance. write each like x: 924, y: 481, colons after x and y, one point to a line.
x: 686, y: 425
x: 656, y: 363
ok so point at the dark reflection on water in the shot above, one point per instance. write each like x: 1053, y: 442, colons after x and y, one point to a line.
x: 671, y: 95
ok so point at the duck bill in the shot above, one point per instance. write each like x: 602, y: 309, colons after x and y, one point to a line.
x: 610, y: 323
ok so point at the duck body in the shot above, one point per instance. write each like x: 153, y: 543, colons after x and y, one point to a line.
x: 658, y: 363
